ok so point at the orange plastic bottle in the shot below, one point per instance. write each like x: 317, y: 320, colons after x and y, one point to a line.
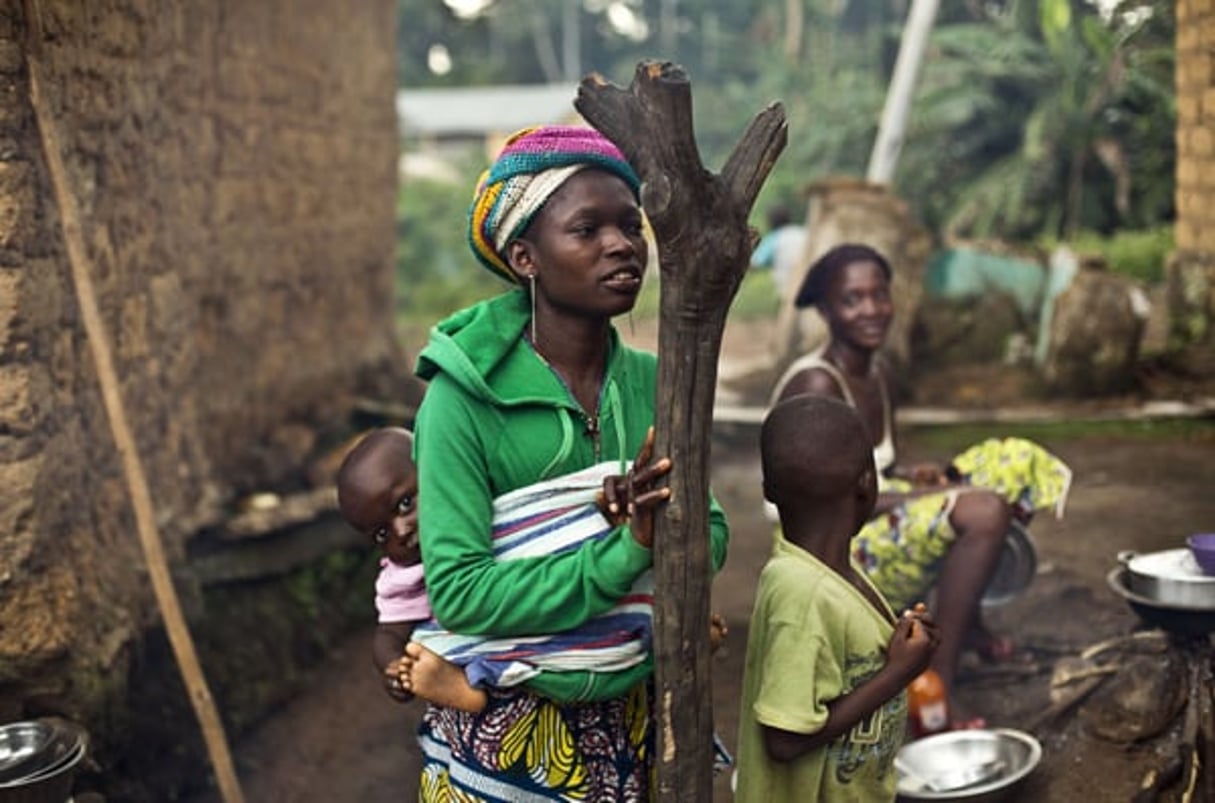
x: 927, y: 704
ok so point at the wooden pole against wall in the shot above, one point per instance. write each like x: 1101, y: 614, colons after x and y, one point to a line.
x: 704, y: 249
x: 107, y: 376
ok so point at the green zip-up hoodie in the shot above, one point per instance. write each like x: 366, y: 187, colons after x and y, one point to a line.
x: 495, y: 418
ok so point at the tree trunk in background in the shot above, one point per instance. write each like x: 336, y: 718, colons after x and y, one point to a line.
x: 546, y: 53
x: 795, y: 23
x: 704, y: 247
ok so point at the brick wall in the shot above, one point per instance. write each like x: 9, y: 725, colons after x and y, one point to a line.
x: 1192, y: 267
x: 234, y: 164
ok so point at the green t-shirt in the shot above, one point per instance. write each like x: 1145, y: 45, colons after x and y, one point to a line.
x: 813, y: 639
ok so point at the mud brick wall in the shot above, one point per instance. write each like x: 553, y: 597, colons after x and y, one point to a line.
x: 1191, y: 271
x: 234, y: 164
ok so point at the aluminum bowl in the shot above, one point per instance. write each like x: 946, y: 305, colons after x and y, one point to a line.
x: 1169, y: 577
x: 50, y: 752
x: 52, y: 786
x: 26, y: 748
x: 1008, y: 755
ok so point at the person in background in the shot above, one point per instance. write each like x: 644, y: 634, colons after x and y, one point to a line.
x: 937, y: 527
x: 528, y: 386
x: 824, y: 708
x: 781, y: 249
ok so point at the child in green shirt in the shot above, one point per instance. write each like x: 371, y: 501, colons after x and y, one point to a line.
x: 824, y: 707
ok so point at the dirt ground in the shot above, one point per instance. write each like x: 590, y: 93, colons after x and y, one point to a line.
x: 1142, y: 487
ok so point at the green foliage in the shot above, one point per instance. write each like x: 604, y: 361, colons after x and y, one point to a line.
x: 832, y: 108
x: 1048, y: 125
x: 757, y: 297
x: 511, y: 42
x: 1032, y: 120
x: 1140, y: 254
x: 430, y: 229
x: 436, y: 271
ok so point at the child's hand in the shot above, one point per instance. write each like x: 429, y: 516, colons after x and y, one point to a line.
x: 392, y: 679
x: 717, y: 631
x: 915, y: 639
x: 630, y: 499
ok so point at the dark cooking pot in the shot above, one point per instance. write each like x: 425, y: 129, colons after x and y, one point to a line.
x: 1170, y: 577
x: 1174, y: 618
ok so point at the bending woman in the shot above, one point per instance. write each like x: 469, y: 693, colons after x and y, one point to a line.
x: 528, y: 386
x: 934, y: 525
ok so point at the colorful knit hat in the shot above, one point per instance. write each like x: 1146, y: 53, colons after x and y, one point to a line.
x: 533, y: 165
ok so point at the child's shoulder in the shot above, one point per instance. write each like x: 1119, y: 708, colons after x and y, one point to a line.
x: 802, y: 575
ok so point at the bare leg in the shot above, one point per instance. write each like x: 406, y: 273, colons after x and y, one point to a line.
x: 981, y: 520
x: 439, y: 681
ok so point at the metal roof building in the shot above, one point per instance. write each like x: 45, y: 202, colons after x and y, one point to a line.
x: 482, y: 111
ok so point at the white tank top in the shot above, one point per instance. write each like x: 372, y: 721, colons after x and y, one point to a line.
x: 883, y: 452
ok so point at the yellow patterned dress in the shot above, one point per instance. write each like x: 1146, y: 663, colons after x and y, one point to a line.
x: 902, y: 550
x: 523, y: 747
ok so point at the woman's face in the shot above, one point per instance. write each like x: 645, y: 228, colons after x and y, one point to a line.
x: 585, y: 248
x: 857, y: 305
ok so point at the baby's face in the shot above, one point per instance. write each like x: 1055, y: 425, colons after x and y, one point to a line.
x: 386, y: 510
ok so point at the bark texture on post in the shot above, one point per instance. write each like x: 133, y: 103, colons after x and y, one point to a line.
x: 704, y: 246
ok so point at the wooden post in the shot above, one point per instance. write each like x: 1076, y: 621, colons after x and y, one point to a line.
x: 704, y: 246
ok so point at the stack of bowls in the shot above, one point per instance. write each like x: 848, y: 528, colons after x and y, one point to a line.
x: 39, y: 759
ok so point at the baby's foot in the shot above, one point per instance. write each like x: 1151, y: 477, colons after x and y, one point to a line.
x: 392, y: 679
x: 439, y: 681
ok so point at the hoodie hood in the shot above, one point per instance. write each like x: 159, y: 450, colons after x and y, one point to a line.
x: 473, y: 343
x: 482, y: 349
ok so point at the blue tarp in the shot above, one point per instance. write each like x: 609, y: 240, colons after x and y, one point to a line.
x: 961, y: 273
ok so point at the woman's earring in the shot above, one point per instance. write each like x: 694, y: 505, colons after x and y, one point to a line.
x: 531, y: 277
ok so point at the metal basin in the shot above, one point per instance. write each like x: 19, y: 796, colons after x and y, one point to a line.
x: 25, y: 748
x: 39, y: 760
x: 982, y: 766
x: 1170, y: 577
x: 52, y: 786
x: 1184, y: 619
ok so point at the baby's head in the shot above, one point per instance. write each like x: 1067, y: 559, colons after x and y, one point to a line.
x: 815, y: 453
x: 377, y: 488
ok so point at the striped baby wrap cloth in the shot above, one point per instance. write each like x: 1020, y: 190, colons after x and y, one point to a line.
x: 548, y: 518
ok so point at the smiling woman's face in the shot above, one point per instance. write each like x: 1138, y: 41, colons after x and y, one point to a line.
x: 857, y: 305
x: 586, y: 248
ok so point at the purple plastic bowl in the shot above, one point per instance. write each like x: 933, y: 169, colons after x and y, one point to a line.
x: 1202, y: 546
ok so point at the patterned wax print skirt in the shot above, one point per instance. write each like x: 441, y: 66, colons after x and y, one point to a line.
x: 902, y: 550
x: 524, y: 748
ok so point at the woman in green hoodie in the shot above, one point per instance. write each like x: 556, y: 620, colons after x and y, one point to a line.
x: 528, y: 386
